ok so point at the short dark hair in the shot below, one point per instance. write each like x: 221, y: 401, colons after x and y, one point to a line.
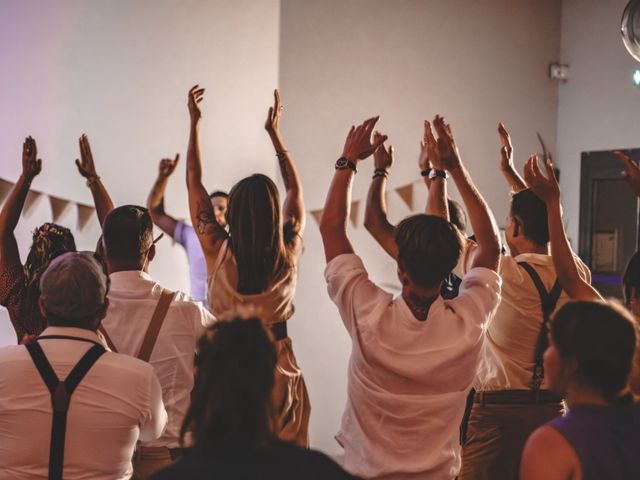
x: 219, y: 193
x: 457, y: 215
x: 631, y: 277
x: 601, y: 338
x: 127, y: 233
x: 429, y: 248
x: 531, y: 213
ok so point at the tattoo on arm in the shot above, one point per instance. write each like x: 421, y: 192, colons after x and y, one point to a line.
x: 283, y: 169
x: 207, y: 224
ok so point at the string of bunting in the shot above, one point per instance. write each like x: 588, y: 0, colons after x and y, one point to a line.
x: 59, y: 206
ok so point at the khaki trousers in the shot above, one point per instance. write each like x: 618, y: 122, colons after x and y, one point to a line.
x: 148, y: 460
x: 496, y: 436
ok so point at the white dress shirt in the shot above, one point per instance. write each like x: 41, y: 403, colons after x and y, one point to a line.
x: 408, y: 379
x: 117, y: 401
x: 508, y: 354
x: 133, y: 298
x: 186, y: 236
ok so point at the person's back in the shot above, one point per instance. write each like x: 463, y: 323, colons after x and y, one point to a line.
x: 68, y: 408
x: 149, y: 322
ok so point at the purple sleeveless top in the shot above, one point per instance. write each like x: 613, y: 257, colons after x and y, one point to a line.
x: 606, y: 439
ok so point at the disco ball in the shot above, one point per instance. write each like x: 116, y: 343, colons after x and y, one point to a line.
x: 630, y: 28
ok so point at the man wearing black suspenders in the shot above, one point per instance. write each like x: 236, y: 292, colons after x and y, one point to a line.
x: 68, y: 408
x: 511, y: 398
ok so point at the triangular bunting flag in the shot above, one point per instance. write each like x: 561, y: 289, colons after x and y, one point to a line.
x: 84, y: 215
x: 5, y: 188
x: 58, y: 207
x: 317, y: 215
x: 406, y: 194
x: 30, y: 201
x: 353, y: 216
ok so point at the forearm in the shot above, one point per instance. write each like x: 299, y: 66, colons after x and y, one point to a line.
x: 513, y: 178
x: 194, y: 163
x: 293, y: 205
x: 333, y: 225
x: 482, y: 221
x: 101, y: 198
x: 375, y: 218
x: 155, y: 201
x: 563, y: 258
x: 13, y: 206
x: 437, y: 199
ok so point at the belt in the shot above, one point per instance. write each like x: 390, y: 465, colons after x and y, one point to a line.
x: 279, y: 330
x: 143, y: 453
x: 516, y: 397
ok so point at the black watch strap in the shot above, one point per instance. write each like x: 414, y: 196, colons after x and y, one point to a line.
x: 344, y: 162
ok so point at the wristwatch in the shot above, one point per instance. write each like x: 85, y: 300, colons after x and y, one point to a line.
x: 344, y: 162
x: 438, y: 174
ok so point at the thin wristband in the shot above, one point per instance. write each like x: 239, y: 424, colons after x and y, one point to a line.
x: 380, y: 172
x: 425, y: 172
x: 92, y: 180
x: 282, y: 153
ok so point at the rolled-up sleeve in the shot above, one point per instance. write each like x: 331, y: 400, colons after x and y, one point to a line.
x: 351, y: 290
x: 179, y: 233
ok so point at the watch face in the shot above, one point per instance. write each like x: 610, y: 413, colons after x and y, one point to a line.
x: 342, y: 163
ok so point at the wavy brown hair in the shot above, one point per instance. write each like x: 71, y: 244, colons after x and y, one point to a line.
x: 257, y: 238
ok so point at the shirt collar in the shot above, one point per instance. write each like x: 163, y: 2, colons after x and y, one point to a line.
x: 129, y: 275
x: 72, y: 332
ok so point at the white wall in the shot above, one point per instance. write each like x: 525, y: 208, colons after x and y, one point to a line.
x: 598, y: 106
x: 120, y: 72
x: 477, y: 62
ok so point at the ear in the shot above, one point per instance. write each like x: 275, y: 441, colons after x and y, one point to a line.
x: 41, y: 307
x: 152, y: 253
x: 516, y: 227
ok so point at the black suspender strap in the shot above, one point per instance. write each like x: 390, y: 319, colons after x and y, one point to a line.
x: 548, y: 301
x: 60, y: 398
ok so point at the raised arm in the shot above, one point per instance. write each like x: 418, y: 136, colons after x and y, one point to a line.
x: 87, y: 169
x: 333, y: 225
x: 293, y: 207
x: 507, y: 168
x: 482, y: 221
x: 155, y: 202
x: 210, y: 233
x: 631, y: 172
x: 375, y: 216
x: 437, y: 198
x: 10, y: 214
x: 548, y: 190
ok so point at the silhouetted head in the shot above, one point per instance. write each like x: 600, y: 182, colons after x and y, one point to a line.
x: 428, y: 250
x: 255, y: 228
x: 49, y: 241
x: 231, y: 405
x: 128, y: 237
x: 592, y: 344
x: 74, y: 291
x: 527, y: 223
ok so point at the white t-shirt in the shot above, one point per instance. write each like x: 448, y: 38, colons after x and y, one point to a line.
x: 117, y: 401
x: 508, y: 354
x: 408, y: 379
x: 186, y: 236
x: 133, y: 298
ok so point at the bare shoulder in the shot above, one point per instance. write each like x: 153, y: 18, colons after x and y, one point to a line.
x: 548, y: 455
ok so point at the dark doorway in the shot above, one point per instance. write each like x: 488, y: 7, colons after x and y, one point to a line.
x: 608, y: 219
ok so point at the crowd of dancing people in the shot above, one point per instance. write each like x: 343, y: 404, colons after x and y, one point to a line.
x: 487, y: 365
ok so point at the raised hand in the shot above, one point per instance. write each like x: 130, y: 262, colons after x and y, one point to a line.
x: 506, y: 149
x: 382, y: 157
x: 423, y: 158
x: 545, y: 187
x: 448, y: 150
x: 167, y: 166
x: 196, y: 94
x: 631, y: 172
x: 272, y: 124
x: 31, y: 164
x: 85, y: 164
x: 358, y: 145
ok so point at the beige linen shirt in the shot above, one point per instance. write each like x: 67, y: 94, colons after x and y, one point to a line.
x: 507, y: 359
x: 132, y: 299
x: 117, y: 402
x: 407, y: 379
